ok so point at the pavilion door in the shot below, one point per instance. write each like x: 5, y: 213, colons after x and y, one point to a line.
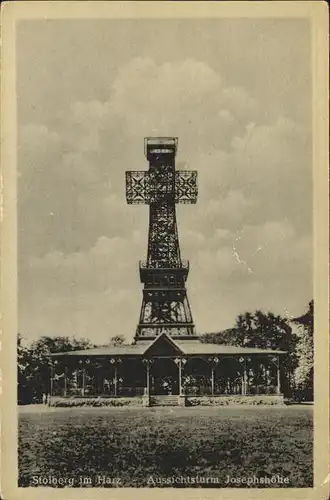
x: 164, y: 377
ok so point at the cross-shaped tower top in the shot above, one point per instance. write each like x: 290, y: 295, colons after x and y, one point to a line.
x: 161, y: 180
x: 165, y: 306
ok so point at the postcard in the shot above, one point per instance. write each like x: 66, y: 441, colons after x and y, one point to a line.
x: 164, y: 260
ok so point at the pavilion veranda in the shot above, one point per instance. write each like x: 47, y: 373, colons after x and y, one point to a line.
x: 166, y: 370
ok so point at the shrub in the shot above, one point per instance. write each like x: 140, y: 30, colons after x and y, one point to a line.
x: 97, y: 402
x: 234, y: 400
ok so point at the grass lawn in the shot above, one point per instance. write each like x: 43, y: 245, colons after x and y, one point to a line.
x: 134, y: 444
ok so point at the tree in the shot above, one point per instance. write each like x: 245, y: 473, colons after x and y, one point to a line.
x: 304, y: 372
x: 59, y: 343
x: 117, y: 340
x: 265, y: 331
x: 34, y: 364
x: 307, y: 319
x: 258, y: 329
x: 231, y: 336
x: 24, y: 393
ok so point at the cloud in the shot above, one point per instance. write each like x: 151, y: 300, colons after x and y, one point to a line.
x: 95, y: 269
x: 258, y: 268
x: 84, y: 293
x: 186, y: 99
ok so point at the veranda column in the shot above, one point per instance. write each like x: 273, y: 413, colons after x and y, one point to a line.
x: 115, y: 379
x: 278, y: 375
x: 65, y: 381
x: 118, y: 377
x: 83, y: 378
x: 183, y: 362
x: 51, y: 378
x: 241, y: 361
x: 181, y: 397
x: 148, y: 378
x: 180, y: 376
x: 214, y: 362
x: 147, y: 363
x: 246, y: 370
x: 177, y: 361
x: 244, y: 380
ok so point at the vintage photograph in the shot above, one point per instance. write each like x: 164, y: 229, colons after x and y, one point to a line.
x: 165, y: 258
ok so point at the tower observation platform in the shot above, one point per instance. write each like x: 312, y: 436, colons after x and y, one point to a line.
x: 165, y: 306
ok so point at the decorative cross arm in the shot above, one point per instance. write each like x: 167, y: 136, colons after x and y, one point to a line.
x: 142, y: 187
x: 186, y: 189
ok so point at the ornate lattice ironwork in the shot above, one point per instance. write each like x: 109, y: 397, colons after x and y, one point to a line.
x: 143, y: 188
x: 165, y: 305
x: 186, y: 186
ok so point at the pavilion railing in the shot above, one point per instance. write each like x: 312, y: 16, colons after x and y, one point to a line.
x: 197, y: 390
x: 130, y: 391
x: 89, y: 392
x: 234, y: 390
x: 262, y: 390
x: 229, y: 389
x: 191, y: 390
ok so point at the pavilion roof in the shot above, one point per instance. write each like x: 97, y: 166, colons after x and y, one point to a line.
x: 106, y: 350
x: 189, y: 347
x: 201, y: 348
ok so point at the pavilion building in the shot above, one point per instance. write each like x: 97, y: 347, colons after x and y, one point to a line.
x: 168, y: 371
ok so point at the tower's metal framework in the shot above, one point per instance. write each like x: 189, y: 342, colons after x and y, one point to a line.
x: 165, y: 305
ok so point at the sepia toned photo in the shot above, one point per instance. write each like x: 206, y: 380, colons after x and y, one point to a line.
x: 164, y: 254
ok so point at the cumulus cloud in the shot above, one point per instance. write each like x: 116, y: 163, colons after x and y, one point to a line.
x: 97, y: 286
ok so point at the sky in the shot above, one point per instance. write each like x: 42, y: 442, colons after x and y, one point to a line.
x: 236, y: 93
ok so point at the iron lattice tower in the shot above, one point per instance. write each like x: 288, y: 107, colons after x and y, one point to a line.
x: 165, y: 305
